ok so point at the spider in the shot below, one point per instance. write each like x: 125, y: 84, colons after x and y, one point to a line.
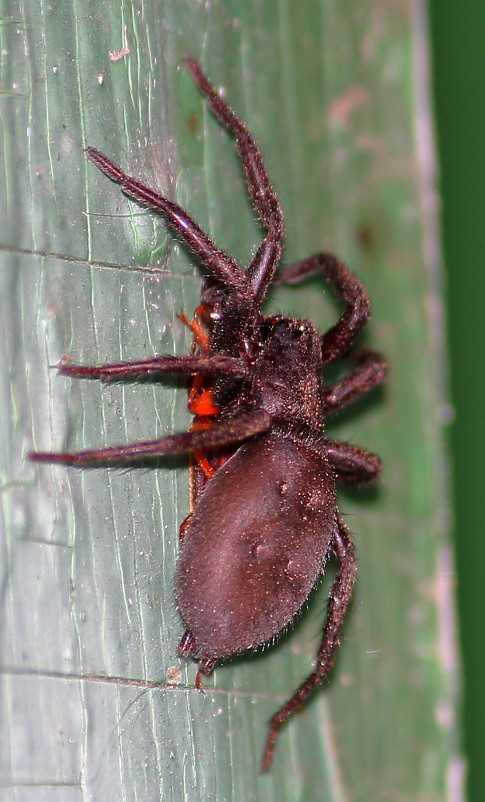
x: 264, y: 517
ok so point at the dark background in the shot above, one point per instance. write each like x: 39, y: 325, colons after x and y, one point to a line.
x: 458, y: 38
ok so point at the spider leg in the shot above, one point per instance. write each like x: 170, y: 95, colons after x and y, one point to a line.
x: 220, y: 264
x: 219, y: 435
x: 206, y: 666
x: 338, y: 339
x: 370, y: 371
x: 339, y: 599
x: 353, y: 465
x: 263, y: 196
x: 210, y: 365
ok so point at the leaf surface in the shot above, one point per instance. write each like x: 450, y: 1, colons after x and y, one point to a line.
x: 96, y: 703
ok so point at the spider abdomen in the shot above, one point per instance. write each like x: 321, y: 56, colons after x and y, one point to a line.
x: 255, y: 545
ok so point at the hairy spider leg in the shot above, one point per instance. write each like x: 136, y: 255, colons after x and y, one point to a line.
x: 221, y: 434
x: 263, y: 197
x: 370, y: 371
x: 338, y: 339
x: 206, y: 666
x: 339, y: 598
x: 220, y: 264
x: 353, y: 465
x: 371, y: 367
x: 206, y: 365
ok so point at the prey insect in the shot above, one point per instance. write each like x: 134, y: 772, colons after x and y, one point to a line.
x: 264, y: 518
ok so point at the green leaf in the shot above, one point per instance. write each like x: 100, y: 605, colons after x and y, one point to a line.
x: 96, y: 703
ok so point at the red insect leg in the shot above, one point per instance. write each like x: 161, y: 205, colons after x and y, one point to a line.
x: 202, y: 405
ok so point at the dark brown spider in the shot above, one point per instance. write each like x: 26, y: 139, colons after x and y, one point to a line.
x: 264, y: 517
